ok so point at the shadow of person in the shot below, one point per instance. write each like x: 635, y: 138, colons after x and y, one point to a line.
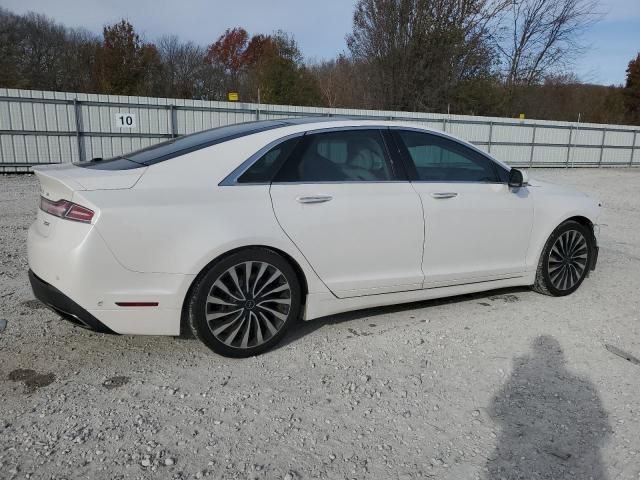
x: 552, y: 422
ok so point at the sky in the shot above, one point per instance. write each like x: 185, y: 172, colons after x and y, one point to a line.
x: 319, y: 26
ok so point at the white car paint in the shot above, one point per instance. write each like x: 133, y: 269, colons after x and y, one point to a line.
x: 156, y: 228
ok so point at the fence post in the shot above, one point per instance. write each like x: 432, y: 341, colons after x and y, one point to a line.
x: 569, y: 146
x: 490, y: 136
x: 78, y: 114
x: 633, y: 147
x: 533, y: 144
x: 604, y: 135
x: 172, y: 121
x: 444, y: 124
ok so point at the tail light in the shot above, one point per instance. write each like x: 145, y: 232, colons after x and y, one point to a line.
x: 66, y: 209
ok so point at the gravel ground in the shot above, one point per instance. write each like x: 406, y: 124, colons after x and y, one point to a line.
x: 508, y: 384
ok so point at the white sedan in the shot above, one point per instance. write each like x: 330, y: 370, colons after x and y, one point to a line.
x: 239, y: 231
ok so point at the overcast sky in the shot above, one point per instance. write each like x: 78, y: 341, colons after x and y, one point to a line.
x: 319, y: 26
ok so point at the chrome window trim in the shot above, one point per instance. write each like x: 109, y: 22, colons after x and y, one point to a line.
x: 350, y: 182
x: 232, y: 178
x: 464, y: 144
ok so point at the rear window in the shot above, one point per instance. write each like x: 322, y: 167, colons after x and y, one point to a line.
x: 181, y: 145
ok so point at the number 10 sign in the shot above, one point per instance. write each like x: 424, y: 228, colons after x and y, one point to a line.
x: 125, y: 120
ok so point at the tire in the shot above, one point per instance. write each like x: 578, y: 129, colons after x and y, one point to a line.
x: 244, y: 304
x: 565, y: 260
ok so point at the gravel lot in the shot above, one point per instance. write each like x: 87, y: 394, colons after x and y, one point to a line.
x: 508, y: 384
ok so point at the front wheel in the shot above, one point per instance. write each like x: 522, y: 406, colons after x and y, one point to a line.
x: 244, y: 304
x: 565, y: 260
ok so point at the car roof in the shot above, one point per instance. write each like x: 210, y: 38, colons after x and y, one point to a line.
x: 206, y: 138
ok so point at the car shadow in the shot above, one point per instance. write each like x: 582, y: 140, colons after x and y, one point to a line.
x: 303, y: 328
x: 552, y: 422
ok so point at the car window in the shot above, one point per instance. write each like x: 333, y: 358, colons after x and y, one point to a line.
x: 342, y: 156
x: 439, y: 159
x: 266, y: 167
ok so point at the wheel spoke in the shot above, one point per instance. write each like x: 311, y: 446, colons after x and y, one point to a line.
x: 232, y: 335
x: 219, y: 301
x: 226, y: 325
x: 215, y: 316
x: 263, y: 268
x: 247, y: 274
x: 259, y: 338
x: 281, y: 288
x: 224, y: 288
x: 282, y: 301
x: 275, y: 313
x: 268, y: 323
x: 236, y: 281
x: 268, y: 282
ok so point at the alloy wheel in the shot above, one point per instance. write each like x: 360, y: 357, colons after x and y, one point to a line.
x: 248, y: 304
x: 567, y: 261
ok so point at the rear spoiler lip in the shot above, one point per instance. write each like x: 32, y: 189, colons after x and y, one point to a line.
x: 81, y: 179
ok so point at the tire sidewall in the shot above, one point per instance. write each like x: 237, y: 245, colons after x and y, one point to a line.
x: 197, y: 305
x: 565, y: 227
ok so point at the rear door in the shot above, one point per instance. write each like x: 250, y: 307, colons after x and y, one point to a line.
x: 476, y: 227
x: 352, y: 214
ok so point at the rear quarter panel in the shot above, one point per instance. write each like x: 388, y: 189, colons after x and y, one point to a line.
x: 177, y: 219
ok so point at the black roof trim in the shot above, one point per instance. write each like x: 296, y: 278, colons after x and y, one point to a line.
x: 196, y: 141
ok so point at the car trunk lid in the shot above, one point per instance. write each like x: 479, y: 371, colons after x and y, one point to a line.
x: 60, y: 181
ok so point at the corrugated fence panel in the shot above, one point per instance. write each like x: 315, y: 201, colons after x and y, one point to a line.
x: 40, y: 127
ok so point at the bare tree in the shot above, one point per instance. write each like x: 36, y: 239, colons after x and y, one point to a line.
x: 419, y: 50
x: 184, y: 74
x: 343, y: 82
x: 539, y: 37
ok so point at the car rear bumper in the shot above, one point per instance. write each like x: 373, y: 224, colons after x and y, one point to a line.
x: 76, y: 275
x: 64, y: 306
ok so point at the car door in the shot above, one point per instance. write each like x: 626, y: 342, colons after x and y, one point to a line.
x: 476, y: 227
x: 345, y: 205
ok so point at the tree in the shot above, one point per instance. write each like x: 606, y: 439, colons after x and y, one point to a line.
x: 419, y: 50
x: 275, y: 66
x: 270, y: 64
x: 185, y: 74
x: 343, y: 82
x: 36, y: 52
x: 632, y: 92
x: 228, y: 52
x: 540, y: 37
x: 125, y: 65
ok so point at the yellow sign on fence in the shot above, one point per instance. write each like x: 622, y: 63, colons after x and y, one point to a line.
x: 233, y: 96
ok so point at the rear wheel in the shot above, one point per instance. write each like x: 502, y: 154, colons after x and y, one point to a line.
x: 245, y: 303
x: 565, y: 260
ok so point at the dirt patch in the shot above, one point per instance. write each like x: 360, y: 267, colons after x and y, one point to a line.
x: 115, y: 382
x: 506, y: 298
x: 31, y: 379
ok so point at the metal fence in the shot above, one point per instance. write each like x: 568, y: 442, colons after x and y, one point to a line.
x: 39, y: 127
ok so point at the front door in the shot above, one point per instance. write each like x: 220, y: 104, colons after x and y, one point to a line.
x: 477, y: 228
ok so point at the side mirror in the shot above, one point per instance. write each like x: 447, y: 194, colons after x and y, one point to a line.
x: 517, y: 178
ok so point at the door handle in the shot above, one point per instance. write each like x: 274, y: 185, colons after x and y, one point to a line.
x: 444, y: 195
x: 315, y: 199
